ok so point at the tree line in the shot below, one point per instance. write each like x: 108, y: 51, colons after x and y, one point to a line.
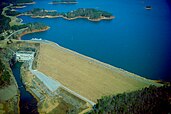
x: 31, y: 26
x: 4, y: 21
x: 150, y: 100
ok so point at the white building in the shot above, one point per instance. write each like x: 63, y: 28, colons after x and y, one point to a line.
x: 24, y: 55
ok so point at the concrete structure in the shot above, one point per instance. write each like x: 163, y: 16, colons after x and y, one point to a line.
x: 24, y: 55
x: 47, y: 84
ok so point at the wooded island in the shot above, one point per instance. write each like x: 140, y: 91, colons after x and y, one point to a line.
x: 88, y: 13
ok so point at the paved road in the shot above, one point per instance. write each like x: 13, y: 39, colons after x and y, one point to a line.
x: 54, y: 84
x: 16, y: 32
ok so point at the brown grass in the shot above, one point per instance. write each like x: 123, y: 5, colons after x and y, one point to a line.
x: 90, y: 79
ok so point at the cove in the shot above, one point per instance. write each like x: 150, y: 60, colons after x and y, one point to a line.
x: 27, y: 104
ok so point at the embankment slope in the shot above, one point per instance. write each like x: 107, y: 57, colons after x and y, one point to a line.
x: 88, y: 77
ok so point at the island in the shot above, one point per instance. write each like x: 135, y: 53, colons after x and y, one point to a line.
x: 87, y: 13
x: 64, y: 2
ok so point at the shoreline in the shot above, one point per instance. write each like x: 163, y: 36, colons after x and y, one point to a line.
x: 15, y: 7
x: 33, y: 31
x: 81, y: 17
x: 26, y: 3
x: 32, y: 93
x: 63, y: 3
x: 78, y: 17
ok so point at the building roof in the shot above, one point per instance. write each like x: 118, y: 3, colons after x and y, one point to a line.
x: 25, y: 52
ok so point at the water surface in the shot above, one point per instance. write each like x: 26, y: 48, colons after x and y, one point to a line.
x: 137, y: 40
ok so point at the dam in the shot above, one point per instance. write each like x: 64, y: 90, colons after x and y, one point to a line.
x: 41, y: 82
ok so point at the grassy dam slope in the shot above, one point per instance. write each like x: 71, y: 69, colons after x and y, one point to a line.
x: 84, y: 75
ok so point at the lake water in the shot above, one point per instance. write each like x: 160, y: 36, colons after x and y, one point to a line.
x: 137, y: 40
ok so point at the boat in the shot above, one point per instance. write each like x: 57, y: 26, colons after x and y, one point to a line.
x: 148, y: 7
x: 36, y: 39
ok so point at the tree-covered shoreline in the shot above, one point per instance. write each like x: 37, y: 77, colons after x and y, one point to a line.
x: 89, y: 13
x: 23, y: 29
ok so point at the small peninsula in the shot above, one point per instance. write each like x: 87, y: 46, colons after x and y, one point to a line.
x: 87, y: 13
x: 63, y: 2
x: 29, y: 28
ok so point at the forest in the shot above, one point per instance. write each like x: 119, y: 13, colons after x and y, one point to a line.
x: 41, y: 12
x: 4, y: 21
x: 150, y: 100
x: 31, y: 26
x: 5, y: 73
x: 87, y: 12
